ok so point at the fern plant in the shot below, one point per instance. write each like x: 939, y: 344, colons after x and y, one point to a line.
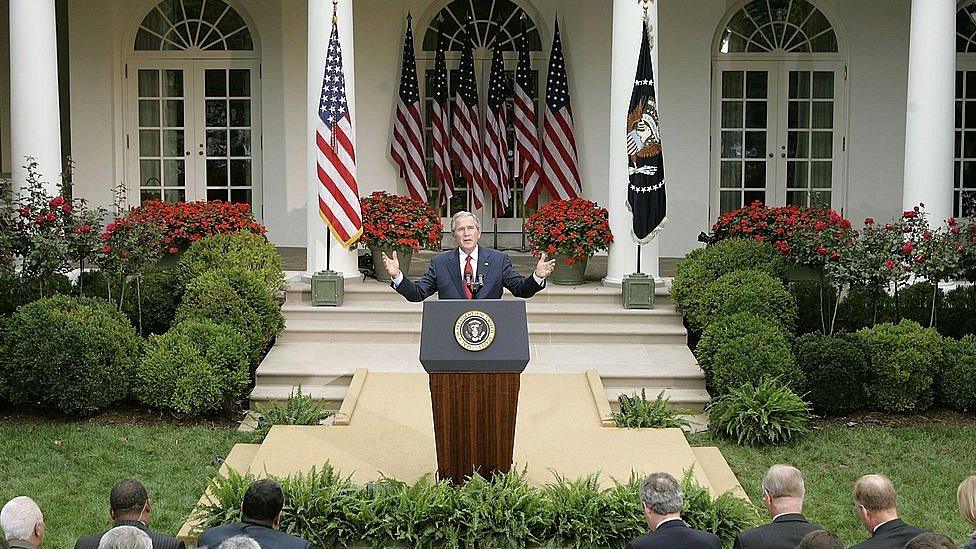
x: 639, y: 412
x: 299, y: 409
x: 755, y: 415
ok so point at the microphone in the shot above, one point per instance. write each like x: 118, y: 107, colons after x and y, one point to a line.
x: 480, y: 282
x: 468, y: 282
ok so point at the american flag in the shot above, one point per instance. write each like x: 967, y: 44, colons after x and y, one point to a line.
x: 336, y: 154
x: 558, y: 141
x: 465, y: 150
x: 497, y: 172
x: 527, y: 165
x: 407, y: 147
x: 441, y: 121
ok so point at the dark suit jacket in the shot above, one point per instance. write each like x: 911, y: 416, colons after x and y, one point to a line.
x: 675, y: 534
x: 893, y: 534
x: 268, y: 538
x: 160, y: 541
x: 444, y: 278
x: 785, y: 532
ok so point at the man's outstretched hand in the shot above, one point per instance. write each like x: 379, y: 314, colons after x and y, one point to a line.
x: 544, y: 268
x: 392, y: 264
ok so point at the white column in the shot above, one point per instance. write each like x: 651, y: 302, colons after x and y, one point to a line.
x: 319, y: 28
x: 929, y: 126
x: 35, y: 113
x: 622, y: 260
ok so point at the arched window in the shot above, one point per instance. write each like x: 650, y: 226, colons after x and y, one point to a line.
x: 778, y: 115
x: 492, y: 23
x: 793, y: 26
x: 964, y: 165
x: 206, y: 25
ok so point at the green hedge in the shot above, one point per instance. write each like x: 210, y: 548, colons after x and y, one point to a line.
x: 246, y: 251
x: 327, y: 509
x: 904, y: 363
x: 748, y: 291
x: 958, y: 316
x: 957, y: 383
x: 195, y: 368
x: 249, y: 287
x: 211, y: 296
x: 72, y: 355
x: 863, y: 308
x: 744, y: 348
x: 835, y: 368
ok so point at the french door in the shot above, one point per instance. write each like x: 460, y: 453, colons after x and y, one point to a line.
x: 778, y: 134
x: 193, y: 131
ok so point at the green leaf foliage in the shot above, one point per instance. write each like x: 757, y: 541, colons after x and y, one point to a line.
x: 83, y: 363
x: 765, y: 413
x: 835, y: 368
x: 724, y: 516
x: 748, y: 291
x: 299, y: 409
x: 904, y: 362
x: 958, y: 381
x: 246, y: 251
x: 212, y: 297
x: 636, y: 411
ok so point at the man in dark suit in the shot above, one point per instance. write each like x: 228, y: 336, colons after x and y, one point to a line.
x: 261, y: 513
x: 129, y: 505
x: 663, y: 501
x: 874, y: 503
x: 783, y: 493
x: 470, y: 271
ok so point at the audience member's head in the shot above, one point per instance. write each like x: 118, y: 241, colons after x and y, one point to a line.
x: 821, y: 539
x: 783, y: 490
x: 239, y: 542
x: 125, y: 537
x: 263, y: 502
x: 662, y: 498
x: 874, y: 500
x: 21, y: 519
x: 966, y: 499
x: 930, y: 540
x: 129, y: 501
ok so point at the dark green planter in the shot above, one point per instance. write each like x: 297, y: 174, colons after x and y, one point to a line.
x: 568, y: 275
x: 381, y: 274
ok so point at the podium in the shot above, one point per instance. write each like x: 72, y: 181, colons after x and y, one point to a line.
x: 474, y: 352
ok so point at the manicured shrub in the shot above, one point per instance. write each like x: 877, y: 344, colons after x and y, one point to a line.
x: 752, y: 358
x: 814, y: 305
x: 904, y: 363
x: 747, y: 292
x: 863, y: 307
x: 211, y: 296
x: 161, y: 290
x: 636, y: 411
x: 16, y: 290
x: 737, y: 254
x: 72, y: 355
x: 246, y: 251
x: 727, y: 329
x: 688, y: 285
x: 764, y: 413
x: 255, y: 295
x: 835, y: 368
x: 957, y: 383
x: 194, y: 368
x: 915, y: 302
x: 958, y: 315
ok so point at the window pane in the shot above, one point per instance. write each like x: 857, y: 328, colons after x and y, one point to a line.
x: 240, y: 173
x: 970, y: 114
x: 799, y: 114
x: 732, y: 84
x: 217, y: 194
x: 731, y: 175
x: 753, y: 196
x: 146, y: 195
x: 755, y: 175
x: 146, y: 41
x: 969, y: 145
x: 822, y: 145
x: 823, y: 85
x: 240, y: 142
x: 820, y: 199
x: 802, y: 84
x: 148, y: 112
x: 798, y: 145
x: 216, y: 83
x: 173, y: 83
x: 731, y: 114
x: 796, y: 175
x: 958, y: 148
x: 216, y: 142
x: 730, y: 200
x: 240, y: 82
x: 148, y: 142
x: 820, y: 176
x: 216, y: 112
x: 796, y: 198
x: 756, y: 114
x: 149, y: 173
x: 755, y: 146
x: 240, y: 112
x: 173, y: 113
x: 969, y: 174
x: 240, y: 196
x: 216, y: 173
x: 756, y: 84
x: 959, y: 114
x: 174, y: 173
x: 823, y: 114
x: 148, y: 83
x: 731, y: 144
x: 173, y: 143
x: 175, y: 195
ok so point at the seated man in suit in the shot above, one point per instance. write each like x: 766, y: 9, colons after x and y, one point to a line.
x: 125, y: 537
x: 663, y: 501
x: 470, y: 271
x: 261, y: 513
x: 874, y: 503
x: 22, y: 523
x: 783, y: 493
x: 129, y: 505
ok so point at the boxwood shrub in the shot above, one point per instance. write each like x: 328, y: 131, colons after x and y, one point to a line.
x: 863, y: 307
x: 732, y: 327
x: 194, y: 368
x: 247, y: 251
x: 751, y: 358
x: 211, y: 296
x: 72, y: 355
x: 249, y: 287
x: 957, y: 383
x: 835, y: 368
x: 904, y: 363
x: 748, y: 291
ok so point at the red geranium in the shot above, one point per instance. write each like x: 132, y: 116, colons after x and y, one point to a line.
x: 399, y: 223
x: 182, y: 223
x: 575, y: 228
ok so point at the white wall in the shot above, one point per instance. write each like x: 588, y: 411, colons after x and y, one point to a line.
x: 5, y: 161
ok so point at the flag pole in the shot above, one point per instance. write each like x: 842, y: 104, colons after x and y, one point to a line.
x: 328, y: 231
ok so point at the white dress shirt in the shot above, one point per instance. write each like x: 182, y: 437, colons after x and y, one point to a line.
x: 462, y: 259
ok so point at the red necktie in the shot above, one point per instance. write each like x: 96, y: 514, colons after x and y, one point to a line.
x: 468, y: 278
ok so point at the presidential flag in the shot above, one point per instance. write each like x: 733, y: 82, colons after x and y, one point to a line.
x: 407, y: 147
x: 336, y: 152
x: 440, y: 121
x: 645, y: 192
x: 496, y: 169
x: 559, y: 169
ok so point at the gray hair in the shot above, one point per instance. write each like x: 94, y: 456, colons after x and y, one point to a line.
x: 125, y: 537
x: 662, y: 494
x: 239, y: 542
x: 19, y: 517
x: 459, y: 215
x: 784, y: 481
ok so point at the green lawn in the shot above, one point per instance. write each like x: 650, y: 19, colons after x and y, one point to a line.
x: 69, y: 469
x: 925, y: 464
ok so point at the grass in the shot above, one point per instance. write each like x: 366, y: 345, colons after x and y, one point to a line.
x: 925, y: 464
x: 69, y: 468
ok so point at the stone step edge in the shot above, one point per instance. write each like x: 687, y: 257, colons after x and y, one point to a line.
x: 559, y: 327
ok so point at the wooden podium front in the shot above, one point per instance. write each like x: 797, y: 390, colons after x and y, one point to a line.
x: 474, y: 352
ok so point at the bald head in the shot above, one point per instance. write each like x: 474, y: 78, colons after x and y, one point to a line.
x: 21, y: 520
x: 875, y: 493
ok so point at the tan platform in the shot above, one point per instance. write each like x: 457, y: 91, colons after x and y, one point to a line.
x: 385, y: 427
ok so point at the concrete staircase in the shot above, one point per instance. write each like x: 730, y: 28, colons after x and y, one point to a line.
x: 571, y: 330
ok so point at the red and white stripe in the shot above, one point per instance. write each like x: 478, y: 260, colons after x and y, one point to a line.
x: 407, y: 148
x: 440, y: 143
x: 465, y: 150
x: 497, y: 173
x: 338, y: 190
x: 527, y: 145
x: 559, y: 154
